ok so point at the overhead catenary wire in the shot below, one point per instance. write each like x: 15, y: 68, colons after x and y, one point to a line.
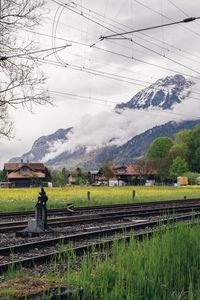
x: 3, y: 58
x: 105, y: 75
x: 98, y: 73
x: 181, y: 10
x: 187, y: 20
x: 115, y: 34
x: 162, y: 15
x: 114, y: 53
x: 142, y: 33
x: 152, y: 111
x: 79, y: 66
x: 113, y: 102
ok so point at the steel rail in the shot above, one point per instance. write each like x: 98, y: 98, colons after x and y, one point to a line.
x: 98, y: 207
x: 102, y: 217
x: 40, y: 259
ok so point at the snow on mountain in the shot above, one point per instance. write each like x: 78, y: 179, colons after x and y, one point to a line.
x: 164, y: 94
x: 98, y: 138
x: 44, y: 146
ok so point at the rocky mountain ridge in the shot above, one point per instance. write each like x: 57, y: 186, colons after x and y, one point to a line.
x: 164, y: 94
x: 56, y: 150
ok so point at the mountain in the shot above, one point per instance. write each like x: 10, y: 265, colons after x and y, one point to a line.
x: 74, y: 148
x: 124, y: 154
x: 164, y: 94
x: 138, y: 145
x: 42, y: 146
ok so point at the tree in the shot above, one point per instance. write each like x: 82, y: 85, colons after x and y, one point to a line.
x: 166, y: 162
x: 192, y: 177
x: 80, y: 178
x: 182, y: 137
x: 107, y: 170
x: 59, y: 178
x: 178, y: 168
x: 159, y: 148
x: 22, y: 83
x: 2, y: 175
x: 157, y: 153
x: 193, y: 149
x: 144, y: 167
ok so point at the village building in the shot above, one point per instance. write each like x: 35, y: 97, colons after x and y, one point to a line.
x: 72, y: 178
x: 95, y: 177
x: 131, y: 174
x: 25, y: 174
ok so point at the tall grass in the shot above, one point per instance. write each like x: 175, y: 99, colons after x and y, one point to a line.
x: 25, y: 198
x: 164, y: 267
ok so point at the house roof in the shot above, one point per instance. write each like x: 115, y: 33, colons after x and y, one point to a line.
x: 129, y: 170
x: 94, y: 172
x: 19, y: 175
x: 15, y: 166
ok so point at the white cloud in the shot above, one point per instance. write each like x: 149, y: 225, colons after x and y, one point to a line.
x: 111, y: 128
x: 99, y: 120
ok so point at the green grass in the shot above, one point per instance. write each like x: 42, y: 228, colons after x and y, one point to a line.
x: 24, y: 199
x: 164, y: 267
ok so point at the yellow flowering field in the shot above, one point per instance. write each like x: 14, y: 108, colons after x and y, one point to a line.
x: 25, y: 198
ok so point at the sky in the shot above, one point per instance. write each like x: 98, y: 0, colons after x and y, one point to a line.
x: 88, y: 78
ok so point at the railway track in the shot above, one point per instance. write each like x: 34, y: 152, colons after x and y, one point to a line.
x: 102, y: 217
x: 84, y: 242
x: 95, y: 208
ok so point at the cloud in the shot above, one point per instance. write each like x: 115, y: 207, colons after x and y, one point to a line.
x: 69, y: 111
x: 111, y: 128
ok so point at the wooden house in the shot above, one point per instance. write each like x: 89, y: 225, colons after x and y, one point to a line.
x: 128, y: 174
x: 25, y: 174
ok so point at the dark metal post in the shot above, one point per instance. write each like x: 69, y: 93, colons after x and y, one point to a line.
x: 38, y: 211
x: 41, y: 208
x: 88, y: 195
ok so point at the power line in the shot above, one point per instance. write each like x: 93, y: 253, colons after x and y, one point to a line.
x: 89, y: 99
x: 106, y: 75
x: 162, y: 15
x: 149, y: 49
x: 2, y: 58
x: 116, y: 34
x: 187, y: 20
x: 116, y: 22
x: 98, y: 73
x: 112, y: 52
x: 180, y: 9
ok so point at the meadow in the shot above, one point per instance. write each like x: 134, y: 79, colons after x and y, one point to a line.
x: 25, y: 198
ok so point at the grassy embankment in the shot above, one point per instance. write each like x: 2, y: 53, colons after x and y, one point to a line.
x: 23, y: 199
x: 165, y: 267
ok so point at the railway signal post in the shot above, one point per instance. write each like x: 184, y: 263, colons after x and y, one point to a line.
x: 39, y: 224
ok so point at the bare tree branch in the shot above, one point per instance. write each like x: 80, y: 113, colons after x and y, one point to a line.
x: 22, y: 82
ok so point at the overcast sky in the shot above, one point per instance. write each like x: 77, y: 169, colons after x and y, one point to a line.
x: 72, y: 70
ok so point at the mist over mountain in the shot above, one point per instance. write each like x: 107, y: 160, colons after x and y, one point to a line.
x: 162, y: 109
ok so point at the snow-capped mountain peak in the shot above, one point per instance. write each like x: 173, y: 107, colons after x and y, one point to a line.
x: 122, y: 136
x: 164, y: 94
